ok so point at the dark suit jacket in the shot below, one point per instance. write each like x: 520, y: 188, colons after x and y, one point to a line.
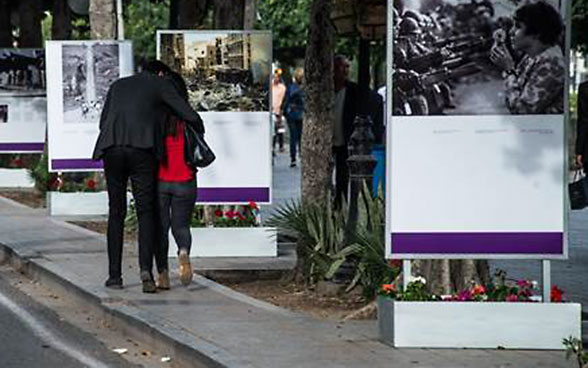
x: 135, y: 110
x: 352, y: 107
x: 582, y: 139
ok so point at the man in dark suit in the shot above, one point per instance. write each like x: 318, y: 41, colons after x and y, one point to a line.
x: 348, y: 104
x: 129, y: 145
x: 582, y: 138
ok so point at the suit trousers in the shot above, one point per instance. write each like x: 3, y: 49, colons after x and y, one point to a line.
x: 341, y: 174
x: 140, y: 165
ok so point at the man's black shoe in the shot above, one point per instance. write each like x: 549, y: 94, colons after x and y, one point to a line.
x: 114, y: 283
x: 148, y: 282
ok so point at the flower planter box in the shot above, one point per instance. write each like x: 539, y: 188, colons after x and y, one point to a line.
x: 77, y: 203
x: 230, y: 242
x: 477, y: 324
x: 15, y: 178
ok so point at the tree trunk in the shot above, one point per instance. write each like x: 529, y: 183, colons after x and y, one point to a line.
x: 191, y: 13
x: 319, y: 117
x: 174, y: 6
x: 444, y: 276
x: 5, y: 24
x: 61, y: 27
x: 102, y: 19
x: 228, y: 14
x: 250, y: 14
x: 30, y: 14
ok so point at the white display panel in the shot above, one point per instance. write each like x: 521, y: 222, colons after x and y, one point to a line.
x: 23, y: 104
x: 79, y: 74
x: 228, y: 74
x: 485, y: 177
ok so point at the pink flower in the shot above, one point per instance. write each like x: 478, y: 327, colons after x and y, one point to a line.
x: 512, y: 298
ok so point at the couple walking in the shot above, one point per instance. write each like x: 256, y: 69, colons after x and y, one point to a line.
x: 142, y: 138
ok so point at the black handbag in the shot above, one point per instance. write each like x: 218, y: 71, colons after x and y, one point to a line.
x: 199, y: 153
x: 578, y: 190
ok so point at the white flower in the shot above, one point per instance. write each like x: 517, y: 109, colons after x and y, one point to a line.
x: 417, y: 279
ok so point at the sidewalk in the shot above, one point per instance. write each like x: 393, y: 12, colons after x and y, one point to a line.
x: 207, y: 324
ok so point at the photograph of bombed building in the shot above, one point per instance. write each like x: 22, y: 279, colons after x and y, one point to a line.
x: 88, y: 71
x: 223, y: 71
x: 478, y: 57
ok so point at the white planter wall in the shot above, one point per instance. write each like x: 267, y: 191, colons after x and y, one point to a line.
x: 230, y: 242
x: 478, y: 324
x: 15, y: 178
x: 77, y: 203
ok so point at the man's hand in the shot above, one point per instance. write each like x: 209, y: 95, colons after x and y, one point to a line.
x: 579, y: 160
x: 502, y: 58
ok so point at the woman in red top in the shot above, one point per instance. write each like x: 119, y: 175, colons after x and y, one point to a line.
x: 176, y: 194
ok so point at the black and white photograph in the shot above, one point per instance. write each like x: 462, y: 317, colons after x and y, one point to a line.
x: 3, y: 113
x: 88, y: 72
x: 479, y: 57
x: 22, y: 72
x: 223, y: 71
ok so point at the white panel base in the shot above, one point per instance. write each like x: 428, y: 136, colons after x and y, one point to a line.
x: 478, y: 324
x: 77, y: 203
x: 16, y: 178
x: 230, y: 242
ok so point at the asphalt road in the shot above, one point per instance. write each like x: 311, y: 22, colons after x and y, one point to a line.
x: 33, y: 336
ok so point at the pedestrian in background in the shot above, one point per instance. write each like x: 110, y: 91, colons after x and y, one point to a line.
x: 293, y: 111
x: 582, y: 138
x: 128, y: 144
x: 278, y: 94
x: 176, y: 192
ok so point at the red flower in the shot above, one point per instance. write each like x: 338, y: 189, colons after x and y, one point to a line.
x: 388, y: 288
x: 240, y: 216
x: 17, y: 162
x: 479, y: 289
x: 91, y: 184
x: 395, y: 262
x: 218, y: 213
x: 230, y: 214
x: 253, y: 205
x: 556, y: 294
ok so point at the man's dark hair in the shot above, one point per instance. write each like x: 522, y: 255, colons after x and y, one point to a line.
x: 541, y: 19
x: 156, y: 67
x: 171, y: 123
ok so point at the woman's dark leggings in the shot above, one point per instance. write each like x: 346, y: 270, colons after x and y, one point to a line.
x: 176, y: 205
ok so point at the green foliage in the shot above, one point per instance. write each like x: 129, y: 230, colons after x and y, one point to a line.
x: 574, y: 347
x: 41, y: 175
x: 288, y: 21
x: 80, y: 28
x: 46, y: 26
x: 320, y: 234
x: 142, y: 19
x: 131, y: 220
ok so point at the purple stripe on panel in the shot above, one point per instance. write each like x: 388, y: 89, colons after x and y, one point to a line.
x: 233, y: 195
x: 21, y: 147
x: 478, y: 243
x: 80, y: 164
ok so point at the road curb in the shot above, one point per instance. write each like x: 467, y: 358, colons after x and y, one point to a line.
x: 186, y: 349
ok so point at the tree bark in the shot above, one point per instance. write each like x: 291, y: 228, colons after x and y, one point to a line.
x: 191, y: 13
x: 5, y: 24
x: 319, y: 117
x: 228, y: 14
x: 30, y: 14
x: 250, y: 14
x: 61, y: 27
x: 174, y: 6
x: 102, y: 19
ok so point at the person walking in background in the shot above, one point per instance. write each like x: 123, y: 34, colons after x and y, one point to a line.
x: 176, y: 192
x: 293, y: 110
x: 129, y: 145
x: 278, y: 94
x: 582, y: 137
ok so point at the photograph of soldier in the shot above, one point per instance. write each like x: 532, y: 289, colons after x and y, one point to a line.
x: 3, y: 113
x: 223, y: 71
x: 22, y: 72
x: 478, y: 57
x: 88, y: 71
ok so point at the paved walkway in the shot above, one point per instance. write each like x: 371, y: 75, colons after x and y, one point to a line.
x: 207, y: 324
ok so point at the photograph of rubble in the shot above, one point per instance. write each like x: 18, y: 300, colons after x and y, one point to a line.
x: 228, y: 71
x: 480, y: 57
x: 88, y: 70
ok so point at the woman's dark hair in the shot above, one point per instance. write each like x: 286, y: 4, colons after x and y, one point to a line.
x: 541, y: 19
x: 171, y: 123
